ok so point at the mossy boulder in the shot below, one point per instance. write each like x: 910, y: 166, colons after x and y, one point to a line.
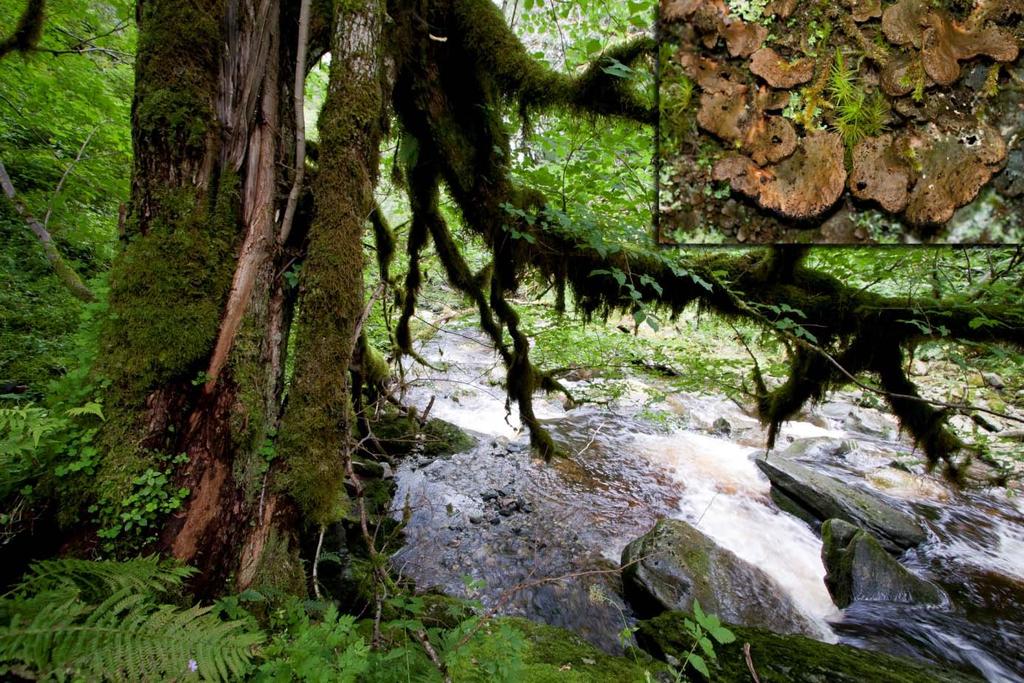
x: 400, y: 435
x: 674, y: 564
x: 859, y: 568
x: 816, y: 497
x: 788, y: 658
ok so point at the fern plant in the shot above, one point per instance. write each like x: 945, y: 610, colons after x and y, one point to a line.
x: 96, y: 579
x: 327, y: 650
x: 74, y: 619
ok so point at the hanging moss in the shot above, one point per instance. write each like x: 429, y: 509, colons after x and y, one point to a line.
x: 417, y: 240
x: 924, y: 422
x: 384, y: 239
x: 451, y: 96
x: 498, y: 53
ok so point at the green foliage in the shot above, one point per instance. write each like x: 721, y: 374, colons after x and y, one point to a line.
x: 321, y: 650
x: 53, y: 101
x: 102, y: 620
x: 597, y: 174
x: 35, y: 441
x: 704, y: 628
x: 857, y: 113
x: 754, y: 11
x: 135, y: 518
x: 100, y: 578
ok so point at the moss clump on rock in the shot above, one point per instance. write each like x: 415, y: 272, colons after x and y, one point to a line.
x: 555, y: 654
x: 398, y: 435
x: 789, y: 658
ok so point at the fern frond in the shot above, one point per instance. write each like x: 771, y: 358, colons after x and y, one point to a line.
x: 144, y: 575
x: 125, y: 637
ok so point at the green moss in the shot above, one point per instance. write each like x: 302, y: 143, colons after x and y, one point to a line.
x: 174, y: 110
x: 557, y: 654
x: 168, y: 289
x: 279, y: 572
x: 385, y: 241
x: 789, y: 658
x: 316, y: 430
x: 375, y: 368
x: 398, y: 434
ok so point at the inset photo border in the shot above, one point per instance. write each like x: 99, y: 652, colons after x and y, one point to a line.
x: 853, y: 121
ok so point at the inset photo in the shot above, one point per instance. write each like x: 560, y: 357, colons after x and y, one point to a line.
x: 856, y: 121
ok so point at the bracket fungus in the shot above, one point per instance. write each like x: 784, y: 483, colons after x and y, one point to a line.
x: 863, y: 10
x: 954, y: 165
x: 710, y: 75
x: 880, y: 173
x: 944, y: 42
x: 732, y: 117
x: 803, y: 185
x: 778, y: 72
x: 908, y: 105
x: 723, y: 114
x: 741, y: 38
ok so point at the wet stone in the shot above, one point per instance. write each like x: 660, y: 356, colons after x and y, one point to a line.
x: 993, y: 380
x: 721, y: 427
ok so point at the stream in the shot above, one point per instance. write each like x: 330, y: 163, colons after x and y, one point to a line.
x: 512, y: 523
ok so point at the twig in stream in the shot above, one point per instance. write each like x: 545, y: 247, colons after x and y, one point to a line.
x: 426, y: 412
x: 710, y: 502
x: 592, y: 437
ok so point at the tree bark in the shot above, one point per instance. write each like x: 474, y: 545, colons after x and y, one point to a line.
x: 196, y: 341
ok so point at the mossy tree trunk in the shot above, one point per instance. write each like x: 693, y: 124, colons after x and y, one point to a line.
x: 199, y: 311
x: 317, y: 424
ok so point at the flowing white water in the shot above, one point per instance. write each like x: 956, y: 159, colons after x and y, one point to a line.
x: 726, y: 497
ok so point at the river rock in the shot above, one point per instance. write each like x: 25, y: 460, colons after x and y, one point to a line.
x: 815, y: 497
x: 673, y: 564
x: 993, y: 380
x: 721, y: 427
x: 819, y: 448
x: 859, y: 568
